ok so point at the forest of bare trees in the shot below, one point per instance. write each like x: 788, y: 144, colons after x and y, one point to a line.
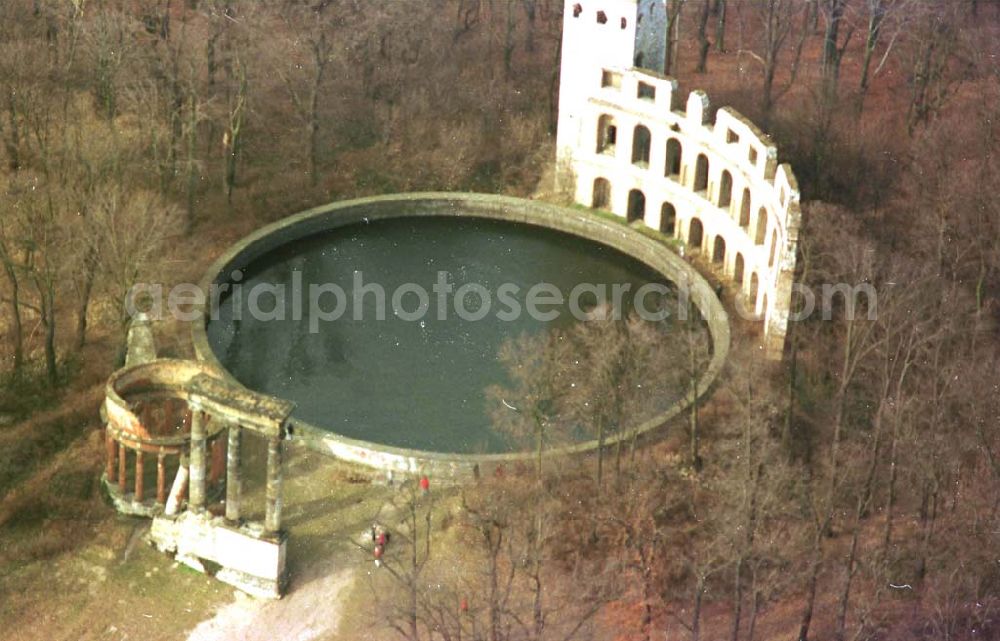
x: 851, y: 493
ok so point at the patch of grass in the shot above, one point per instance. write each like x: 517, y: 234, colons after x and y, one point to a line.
x: 668, y: 241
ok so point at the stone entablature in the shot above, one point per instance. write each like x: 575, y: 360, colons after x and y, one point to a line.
x: 625, y: 146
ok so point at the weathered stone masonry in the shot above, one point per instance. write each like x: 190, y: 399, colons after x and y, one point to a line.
x: 625, y: 146
x: 188, y: 415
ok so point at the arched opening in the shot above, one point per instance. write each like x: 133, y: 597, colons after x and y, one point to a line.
x: 761, y: 227
x: 695, y: 233
x: 636, y: 205
x: 774, y: 248
x: 641, y: 141
x: 673, y: 158
x: 607, y: 135
x: 726, y: 189
x: 745, y: 209
x: 668, y: 219
x: 738, y: 270
x: 754, y: 285
x: 701, y: 173
x: 719, y: 250
x: 602, y: 194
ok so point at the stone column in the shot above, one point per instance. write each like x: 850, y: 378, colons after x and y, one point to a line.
x: 121, y: 467
x: 234, y: 482
x: 179, y: 487
x: 272, y: 517
x: 161, y: 480
x: 112, y: 448
x: 139, y: 473
x: 196, y: 488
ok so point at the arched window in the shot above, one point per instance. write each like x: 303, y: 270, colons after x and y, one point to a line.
x: 761, y: 226
x: 726, y: 189
x: 719, y: 250
x: 695, y: 232
x: 673, y: 158
x: 701, y: 173
x: 636, y: 205
x: 607, y: 135
x: 754, y: 286
x: 774, y: 247
x: 668, y: 219
x: 640, y: 146
x: 738, y: 270
x: 745, y: 209
x: 602, y: 194
x: 577, y: 10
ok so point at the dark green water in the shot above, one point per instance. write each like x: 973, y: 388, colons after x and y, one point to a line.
x: 398, y: 382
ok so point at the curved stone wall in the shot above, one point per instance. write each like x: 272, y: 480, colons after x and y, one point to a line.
x: 626, y: 146
x: 580, y: 223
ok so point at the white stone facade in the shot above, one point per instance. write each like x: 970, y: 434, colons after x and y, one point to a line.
x: 625, y: 145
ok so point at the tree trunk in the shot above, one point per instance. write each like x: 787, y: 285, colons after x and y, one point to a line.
x: 786, y: 429
x: 845, y: 594
x: 647, y: 602
x: 90, y: 267
x: 13, y: 138
x: 693, y: 413
x: 874, y: 31
x: 737, y: 600
x: 752, y: 626
x: 928, y: 514
x: 49, y: 321
x: 699, y: 593
x: 320, y: 55
x: 600, y: 455
x: 508, y: 46
x: 720, y: 25
x: 192, y: 141
x: 17, y: 328
x: 703, y: 43
x: 807, y: 612
x: 235, y: 134
x: 671, y: 35
x: 890, y: 503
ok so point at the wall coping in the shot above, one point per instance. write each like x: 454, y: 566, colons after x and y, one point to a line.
x: 575, y: 221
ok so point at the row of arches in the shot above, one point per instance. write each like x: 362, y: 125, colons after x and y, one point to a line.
x: 601, y: 199
x: 636, y: 206
x: 695, y: 236
x: 607, y: 137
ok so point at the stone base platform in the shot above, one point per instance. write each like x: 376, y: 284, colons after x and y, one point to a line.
x: 244, y: 556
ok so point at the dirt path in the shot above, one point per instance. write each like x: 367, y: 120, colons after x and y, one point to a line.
x: 311, y: 612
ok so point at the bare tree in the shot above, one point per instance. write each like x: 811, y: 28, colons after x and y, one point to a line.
x: 775, y: 22
x: 886, y: 20
x: 528, y: 412
x: 110, y: 38
x: 127, y: 232
x: 305, y: 75
x: 672, y: 35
